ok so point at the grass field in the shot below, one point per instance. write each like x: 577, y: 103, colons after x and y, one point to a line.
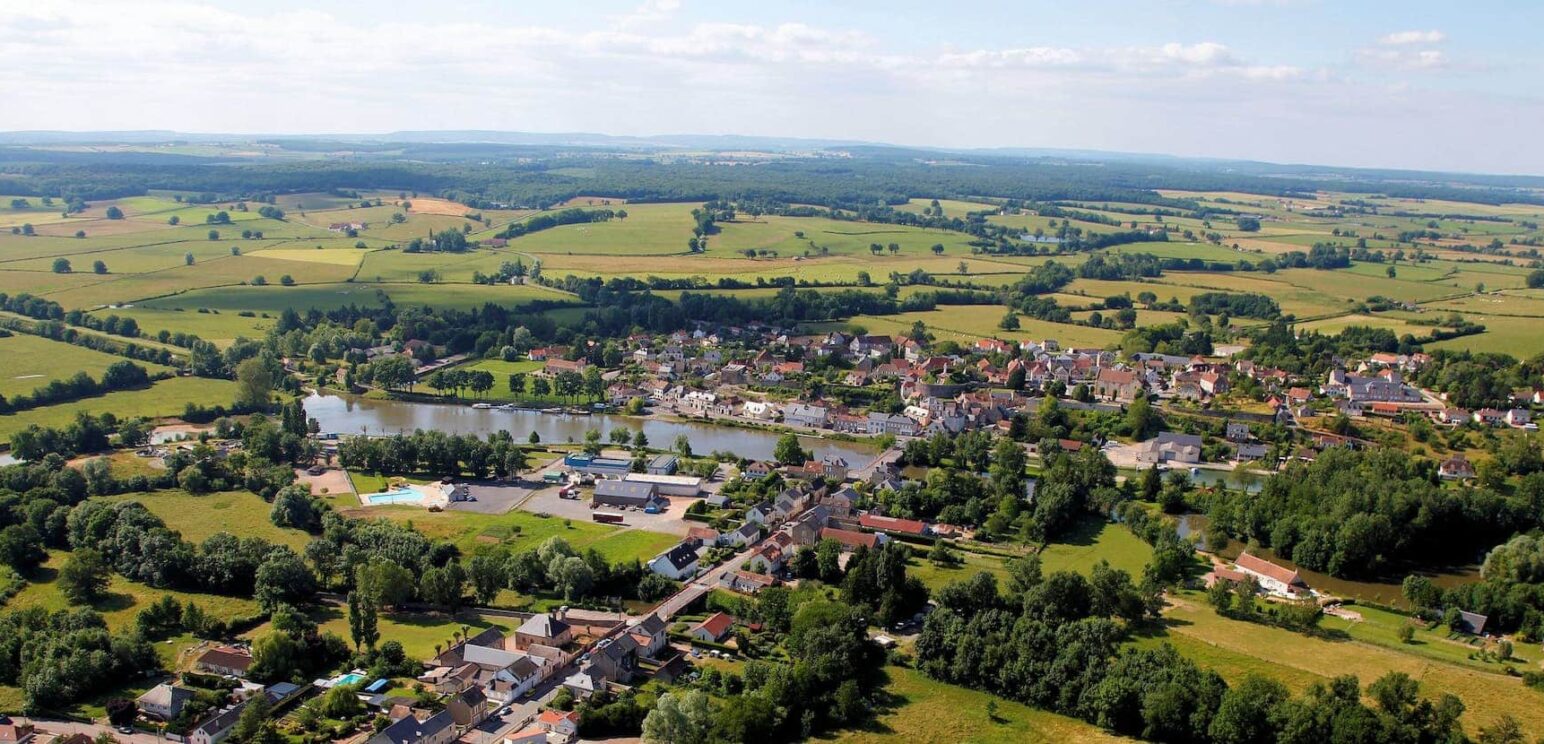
x: 649, y: 229
x: 1244, y: 647
x: 198, y: 517
x: 163, y: 399
x: 1080, y: 550
x: 123, y: 600
x: 926, y: 710
x: 32, y: 361
x: 517, y: 531
x: 822, y: 236
x: 220, y: 328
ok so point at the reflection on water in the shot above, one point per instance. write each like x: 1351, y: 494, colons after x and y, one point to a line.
x: 345, y: 415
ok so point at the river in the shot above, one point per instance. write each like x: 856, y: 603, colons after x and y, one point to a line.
x: 354, y: 415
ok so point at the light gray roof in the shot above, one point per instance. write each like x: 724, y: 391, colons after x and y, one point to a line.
x: 489, y: 657
x: 543, y: 625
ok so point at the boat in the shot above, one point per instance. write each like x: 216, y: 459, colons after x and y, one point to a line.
x: 1195, y: 471
x: 482, y: 406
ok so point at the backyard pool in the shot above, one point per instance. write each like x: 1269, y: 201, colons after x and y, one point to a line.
x: 401, y: 495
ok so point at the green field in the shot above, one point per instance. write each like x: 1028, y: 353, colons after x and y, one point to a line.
x: 967, y: 323
x: 166, y: 398
x: 1080, y: 550
x: 649, y: 229
x: 926, y: 710
x: 1244, y: 647
x: 517, y: 531
x: 123, y: 599
x: 32, y: 361
x: 199, y: 516
x: 218, y: 327
x: 823, y: 236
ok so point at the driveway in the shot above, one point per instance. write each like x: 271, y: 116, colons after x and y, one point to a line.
x: 671, y: 521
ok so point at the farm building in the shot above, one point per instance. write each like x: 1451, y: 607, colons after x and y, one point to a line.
x: 1273, y: 578
x: 598, y: 465
x: 668, y: 485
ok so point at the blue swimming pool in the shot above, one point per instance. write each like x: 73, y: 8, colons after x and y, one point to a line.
x: 352, y: 678
x: 402, y: 495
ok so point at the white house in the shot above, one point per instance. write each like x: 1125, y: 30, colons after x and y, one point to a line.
x: 677, y: 563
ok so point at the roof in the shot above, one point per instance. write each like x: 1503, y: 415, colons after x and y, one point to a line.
x: 681, y: 556
x: 488, y: 657
x: 1267, y: 569
x: 892, y: 524
x: 410, y: 730
x: 849, y: 537
x: 716, y: 625
x: 651, y: 624
x: 542, y: 626
x: 164, y: 695
x: 226, y: 657
x: 553, y: 717
x: 630, y: 490
x: 224, y: 720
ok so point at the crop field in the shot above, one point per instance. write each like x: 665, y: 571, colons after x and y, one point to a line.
x: 649, y: 229
x: 164, y: 398
x: 967, y: 323
x: 1183, y: 250
x: 1272, y: 651
x: 31, y: 362
x: 1341, y: 322
x: 199, y: 516
x: 822, y: 236
x: 1516, y: 335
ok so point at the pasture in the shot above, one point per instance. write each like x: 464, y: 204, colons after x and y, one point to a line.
x: 166, y: 398
x: 32, y: 361
x: 819, y: 236
x: 518, y: 531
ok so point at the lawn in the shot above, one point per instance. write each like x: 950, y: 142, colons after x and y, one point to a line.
x: 1251, y: 647
x: 166, y: 398
x: 1094, y: 540
x: 197, y: 517
x: 627, y: 545
x: 926, y: 710
x: 32, y: 361
x: 418, y: 632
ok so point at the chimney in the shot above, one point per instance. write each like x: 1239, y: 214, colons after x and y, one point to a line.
x: 562, y: 613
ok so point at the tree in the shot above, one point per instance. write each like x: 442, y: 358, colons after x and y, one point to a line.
x: 679, y: 718
x: 254, y: 384
x: 683, y: 445
x: 62, y: 266
x: 99, y: 267
x: 488, y: 577
x: 1010, y: 321
x: 788, y: 450
x: 1244, y: 717
x: 283, y: 579
x: 114, y: 213
x: 363, y: 622
x: 938, y: 249
x: 85, y: 576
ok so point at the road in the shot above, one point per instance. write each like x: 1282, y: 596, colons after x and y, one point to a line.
x: 65, y: 728
x: 696, y: 588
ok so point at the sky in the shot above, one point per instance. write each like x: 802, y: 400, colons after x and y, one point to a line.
x: 1406, y: 84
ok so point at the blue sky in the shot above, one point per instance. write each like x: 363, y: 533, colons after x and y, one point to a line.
x: 1369, y: 83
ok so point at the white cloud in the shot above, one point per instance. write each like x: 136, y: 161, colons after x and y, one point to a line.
x: 1406, y: 38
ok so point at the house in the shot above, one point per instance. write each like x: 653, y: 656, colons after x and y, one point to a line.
x: 1237, y: 431
x: 1273, y: 578
x: 1519, y: 417
x: 1456, y: 467
x: 1117, y: 384
x: 439, y: 728
x: 555, y: 366
x: 164, y: 701
x: 891, y: 423
x: 744, y: 535
x: 810, y: 416
x: 615, y: 659
x: 877, y: 523
x: 1170, y: 446
x: 677, y: 563
x: 563, y: 725
x: 759, y: 410
x: 543, y: 629
x: 1488, y: 416
x: 760, y: 513
x: 224, y: 661
x: 851, y: 540
x: 629, y: 494
x: 649, y: 634
x: 766, y: 559
x: 1472, y: 623
x: 13, y: 730
x: 214, y: 729
x: 757, y: 470
x: 746, y: 582
x: 702, y: 535
x: 713, y: 629
x: 468, y: 709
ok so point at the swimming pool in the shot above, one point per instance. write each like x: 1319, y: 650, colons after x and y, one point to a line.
x: 352, y: 678
x: 403, y: 495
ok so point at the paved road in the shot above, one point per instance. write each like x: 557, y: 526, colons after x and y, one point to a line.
x: 66, y: 728
x: 696, y: 588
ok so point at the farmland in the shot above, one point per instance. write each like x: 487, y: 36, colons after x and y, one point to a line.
x: 164, y: 398
x: 31, y: 362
